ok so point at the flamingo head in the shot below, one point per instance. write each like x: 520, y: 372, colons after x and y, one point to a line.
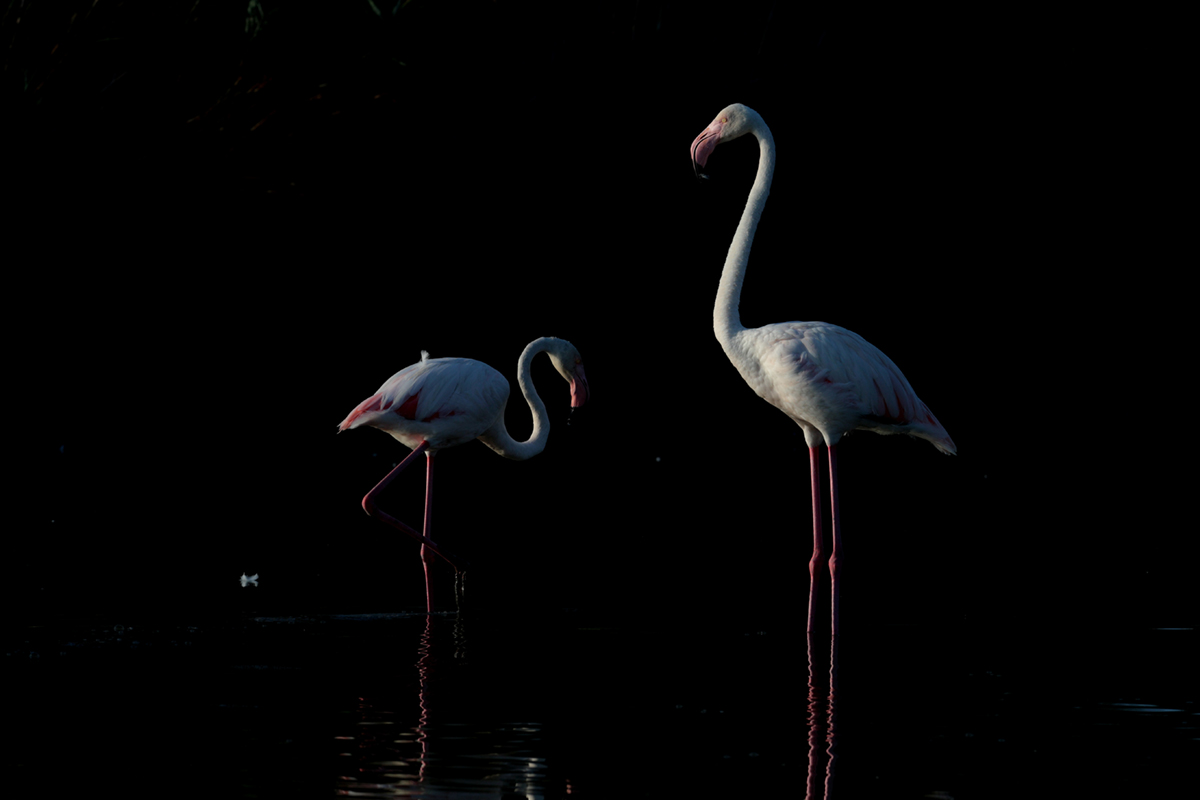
x: 569, y: 364
x: 733, y: 121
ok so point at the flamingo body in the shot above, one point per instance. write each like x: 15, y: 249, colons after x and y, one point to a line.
x: 831, y: 381
x: 442, y: 401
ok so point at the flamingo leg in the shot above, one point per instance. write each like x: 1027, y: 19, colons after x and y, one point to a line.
x: 426, y: 551
x: 835, y: 557
x: 816, y: 564
x: 369, y: 505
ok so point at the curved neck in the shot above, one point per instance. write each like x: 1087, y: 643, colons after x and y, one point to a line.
x: 497, y: 436
x: 726, y: 321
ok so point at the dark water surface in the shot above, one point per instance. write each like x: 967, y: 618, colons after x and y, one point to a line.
x: 524, y: 705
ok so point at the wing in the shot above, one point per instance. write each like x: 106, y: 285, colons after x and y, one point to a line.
x: 849, y: 382
x: 878, y: 384
x: 434, y: 389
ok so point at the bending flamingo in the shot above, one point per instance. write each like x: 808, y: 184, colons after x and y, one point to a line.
x: 828, y: 380
x: 442, y: 402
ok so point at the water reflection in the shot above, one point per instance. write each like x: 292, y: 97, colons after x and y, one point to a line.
x: 513, y: 706
x: 822, y: 721
x: 438, y: 756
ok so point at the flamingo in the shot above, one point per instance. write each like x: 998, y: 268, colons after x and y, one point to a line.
x: 827, y: 379
x: 443, y: 402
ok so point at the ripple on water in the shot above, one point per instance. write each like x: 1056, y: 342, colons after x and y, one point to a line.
x: 376, y: 757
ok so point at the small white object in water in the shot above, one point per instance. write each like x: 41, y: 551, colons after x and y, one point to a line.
x: 252, y: 579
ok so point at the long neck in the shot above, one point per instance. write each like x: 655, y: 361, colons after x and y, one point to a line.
x: 726, y: 322
x: 497, y: 436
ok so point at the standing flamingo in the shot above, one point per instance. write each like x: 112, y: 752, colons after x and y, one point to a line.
x: 829, y: 380
x: 442, y: 402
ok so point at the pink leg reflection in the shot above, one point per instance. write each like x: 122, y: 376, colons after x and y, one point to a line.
x: 822, y: 723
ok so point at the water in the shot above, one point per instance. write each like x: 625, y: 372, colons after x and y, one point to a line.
x: 512, y: 705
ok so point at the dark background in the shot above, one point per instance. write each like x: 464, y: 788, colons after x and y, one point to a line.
x: 228, y: 227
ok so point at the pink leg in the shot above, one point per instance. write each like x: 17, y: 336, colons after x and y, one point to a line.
x: 369, y: 505
x: 426, y: 551
x: 835, y: 558
x: 816, y: 563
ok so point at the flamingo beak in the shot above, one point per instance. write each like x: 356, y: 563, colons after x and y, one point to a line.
x: 704, y: 144
x: 579, y: 387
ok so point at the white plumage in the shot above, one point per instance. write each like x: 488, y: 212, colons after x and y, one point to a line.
x: 443, y: 401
